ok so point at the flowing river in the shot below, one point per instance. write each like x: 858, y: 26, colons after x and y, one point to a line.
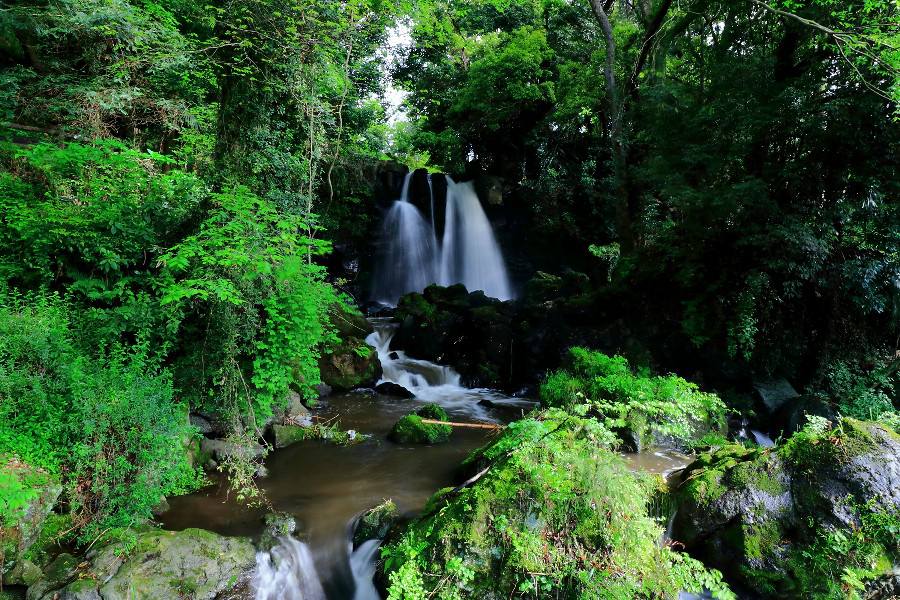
x: 327, y: 486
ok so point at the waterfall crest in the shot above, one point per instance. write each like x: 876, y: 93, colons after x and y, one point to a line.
x: 411, y: 257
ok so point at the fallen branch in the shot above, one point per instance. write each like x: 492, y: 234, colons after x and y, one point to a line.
x: 469, y: 425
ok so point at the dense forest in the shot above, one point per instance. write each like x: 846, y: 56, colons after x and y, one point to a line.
x: 232, y: 232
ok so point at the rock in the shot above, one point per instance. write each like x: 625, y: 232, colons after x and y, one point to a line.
x: 278, y: 525
x: 411, y: 430
x: 285, y: 435
x: 350, y: 362
x: 375, y: 522
x: 161, y: 508
x: 37, y: 493
x: 324, y: 390
x: 433, y: 411
x: 296, y: 412
x: 203, y: 425
x: 219, y: 450
x: 775, y: 393
x: 753, y: 512
x: 394, y: 356
x: 735, y: 505
x: 389, y: 388
x: 154, y: 565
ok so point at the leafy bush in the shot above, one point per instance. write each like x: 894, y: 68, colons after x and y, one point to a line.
x: 555, y: 513
x: 247, y: 282
x: 108, y: 425
x: 651, y: 407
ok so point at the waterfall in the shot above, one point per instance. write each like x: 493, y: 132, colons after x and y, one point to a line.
x: 471, y: 255
x: 362, y: 565
x: 411, y: 257
x: 287, y: 572
x: 409, y: 251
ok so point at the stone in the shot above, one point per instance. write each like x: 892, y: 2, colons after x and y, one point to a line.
x: 277, y: 525
x: 41, y: 492
x: 775, y: 393
x: 219, y: 450
x: 296, y: 411
x: 154, y: 565
x: 411, y: 430
x: 375, y: 523
x: 285, y: 435
x: 203, y: 425
x: 389, y: 388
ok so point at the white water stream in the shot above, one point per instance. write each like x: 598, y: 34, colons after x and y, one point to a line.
x: 411, y: 258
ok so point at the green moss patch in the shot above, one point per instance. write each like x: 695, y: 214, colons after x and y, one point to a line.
x: 555, y: 513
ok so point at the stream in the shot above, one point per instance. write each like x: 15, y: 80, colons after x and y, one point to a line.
x: 326, y: 486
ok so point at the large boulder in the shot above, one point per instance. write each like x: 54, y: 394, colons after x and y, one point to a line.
x: 771, y: 517
x: 349, y: 362
x: 552, y: 512
x: 151, y: 564
x: 29, y: 495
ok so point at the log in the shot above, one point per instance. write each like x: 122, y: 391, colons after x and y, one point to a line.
x: 470, y: 425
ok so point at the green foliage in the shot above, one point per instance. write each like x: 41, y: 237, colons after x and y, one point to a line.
x: 838, y: 562
x: 251, y: 266
x: 109, y: 425
x: 554, y: 513
x: 651, y: 407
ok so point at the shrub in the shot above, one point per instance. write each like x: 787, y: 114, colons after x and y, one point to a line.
x: 651, y: 407
x: 108, y: 425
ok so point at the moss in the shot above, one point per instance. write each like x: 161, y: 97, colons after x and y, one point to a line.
x: 761, y: 540
x: 285, y: 435
x: 556, y: 514
x: 433, y: 411
x: 375, y: 522
x: 411, y: 430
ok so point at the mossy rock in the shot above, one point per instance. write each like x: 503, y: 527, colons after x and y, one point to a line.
x: 153, y: 565
x: 34, y: 493
x: 434, y: 412
x: 551, y: 499
x: 768, y: 517
x: 411, y: 430
x: 375, y: 522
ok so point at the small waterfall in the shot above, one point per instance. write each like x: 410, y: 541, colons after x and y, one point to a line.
x: 287, y: 572
x: 411, y: 258
x: 409, y: 254
x: 362, y: 565
x: 762, y: 439
x: 431, y: 382
x: 471, y: 255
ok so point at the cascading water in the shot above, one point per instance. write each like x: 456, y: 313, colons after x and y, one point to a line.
x: 470, y: 253
x: 411, y: 258
x: 431, y: 382
x: 409, y: 251
x: 287, y: 572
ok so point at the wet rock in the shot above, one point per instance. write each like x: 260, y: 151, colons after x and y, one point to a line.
x: 219, y: 450
x: 350, y: 362
x: 375, y: 522
x: 161, y: 508
x: 751, y: 511
x: 277, y: 525
x: 151, y: 565
x: 775, y: 393
x: 389, y: 388
x: 40, y: 492
x: 296, y: 412
x: 285, y: 435
x: 323, y: 390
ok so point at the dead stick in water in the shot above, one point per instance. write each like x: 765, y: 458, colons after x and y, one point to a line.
x: 472, y: 425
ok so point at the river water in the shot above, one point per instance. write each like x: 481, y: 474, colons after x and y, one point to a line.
x: 326, y: 486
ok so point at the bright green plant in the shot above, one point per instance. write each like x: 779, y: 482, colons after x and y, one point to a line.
x: 666, y: 406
